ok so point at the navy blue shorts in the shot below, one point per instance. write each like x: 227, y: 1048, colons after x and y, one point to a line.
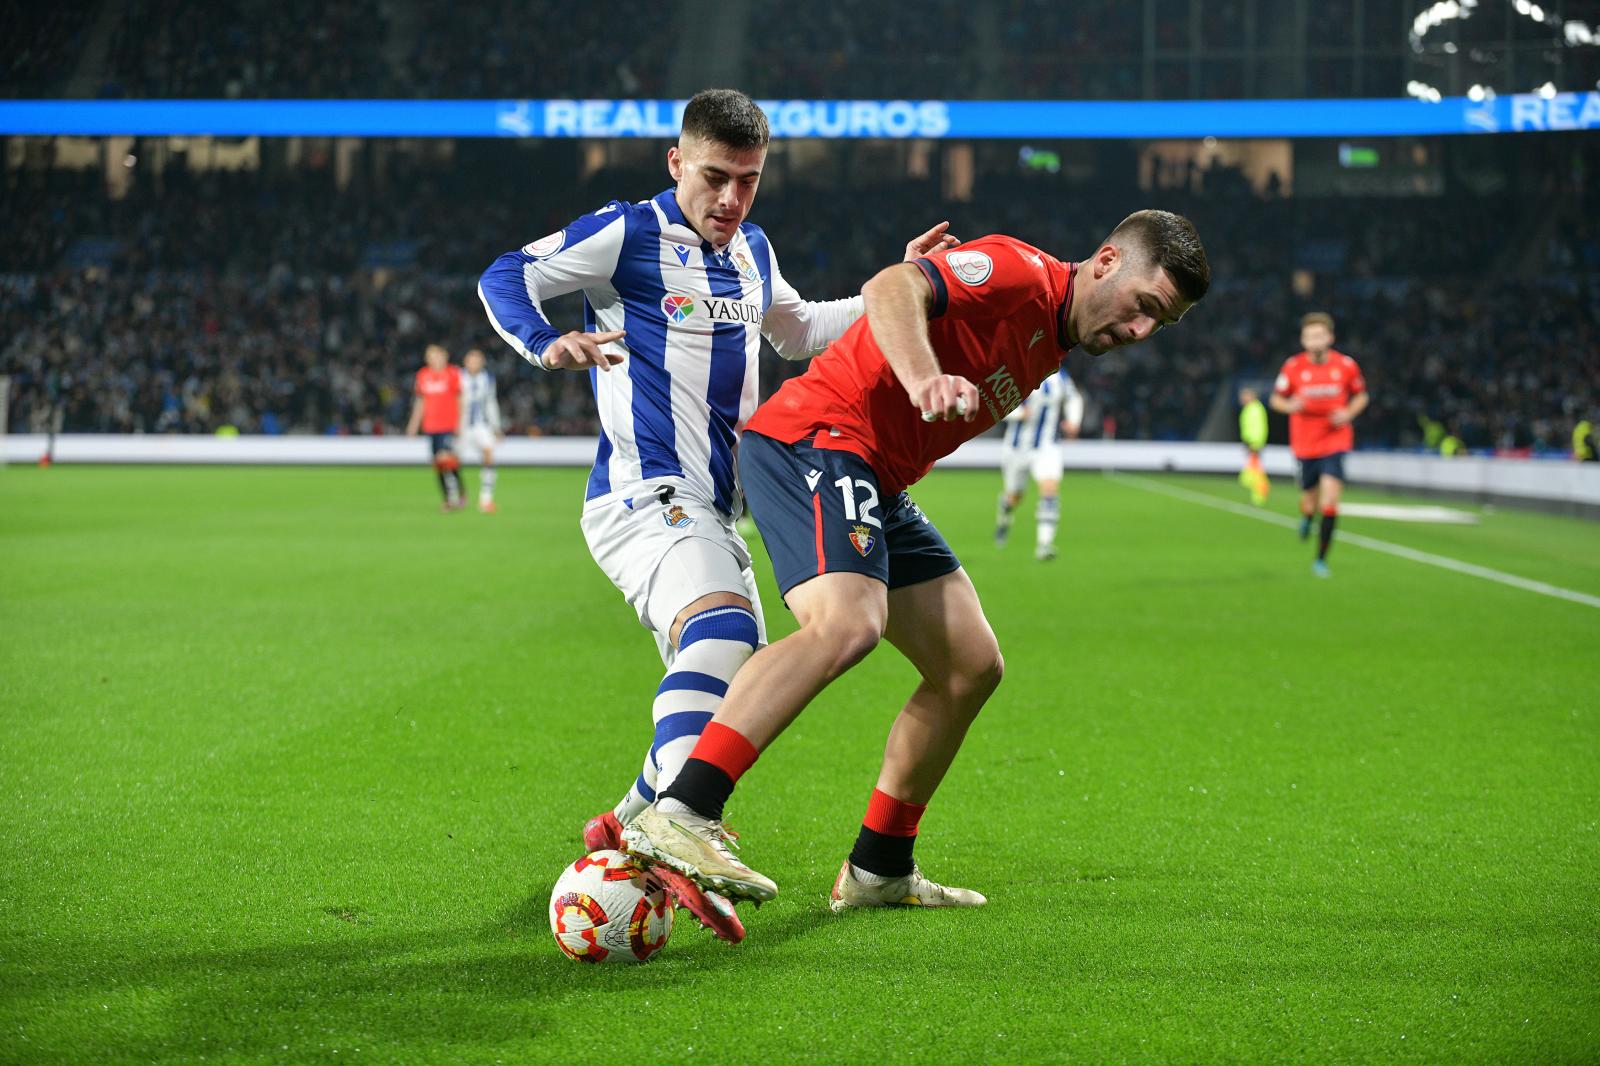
x: 442, y: 442
x: 1311, y: 470
x: 819, y: 512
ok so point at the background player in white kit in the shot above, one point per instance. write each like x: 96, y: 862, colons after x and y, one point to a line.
x: 1029, y: 447
x: 481, y: 428
x: 678, y: 292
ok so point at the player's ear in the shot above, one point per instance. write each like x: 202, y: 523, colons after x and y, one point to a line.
x: 1106, y: 261
x: 675, y: 162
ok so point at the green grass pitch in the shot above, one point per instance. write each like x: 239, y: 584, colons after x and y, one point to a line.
x: 290, y: 761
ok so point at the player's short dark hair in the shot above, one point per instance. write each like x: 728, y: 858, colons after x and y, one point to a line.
x: 1170, y: 242
x: 1317, y: 318
x: 728, y: 117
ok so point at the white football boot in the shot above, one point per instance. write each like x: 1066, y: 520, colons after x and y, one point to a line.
x: 698, y: 849
x: 912, y: 890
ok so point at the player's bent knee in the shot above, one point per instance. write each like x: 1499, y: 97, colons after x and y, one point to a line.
x: 848, y: 642
x: 978, y: 677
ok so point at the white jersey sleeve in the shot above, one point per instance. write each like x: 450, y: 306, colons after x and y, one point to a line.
x: 798, y: 328
x: 513, y: 290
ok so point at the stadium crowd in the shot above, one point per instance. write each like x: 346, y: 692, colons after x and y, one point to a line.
x: 278, y: 304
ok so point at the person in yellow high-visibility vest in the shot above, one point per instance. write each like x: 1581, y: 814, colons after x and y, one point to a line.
x: 1583, y: 442
x: 1253, y: 432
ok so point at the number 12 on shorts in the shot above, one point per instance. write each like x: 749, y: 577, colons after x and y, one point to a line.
x: 847, y: 488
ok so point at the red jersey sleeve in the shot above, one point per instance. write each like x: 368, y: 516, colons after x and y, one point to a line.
x: 1284, y: 386
x: 990, y: 277
x: 1357, y: 382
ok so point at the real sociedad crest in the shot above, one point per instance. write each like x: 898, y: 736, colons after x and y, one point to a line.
x: 863, y: 539
x: 675, y: 517
x: 747, y: 269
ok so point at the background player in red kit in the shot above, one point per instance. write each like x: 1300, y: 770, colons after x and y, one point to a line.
x: 959, y: 338
x: 1322, y: 391
x: 437, y: 412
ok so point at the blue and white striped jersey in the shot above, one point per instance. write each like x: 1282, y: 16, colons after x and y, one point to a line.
x: 1036, y: 421
x: 479, y: 405
x: 694, y: 315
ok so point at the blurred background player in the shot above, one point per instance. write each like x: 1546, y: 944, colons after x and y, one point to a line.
x: 1030, y: 447
x: 1584, y: 448
x: 1322, y: 391
x: 1253, y: 432
x: 480, y: 422
x: 678, y: 291
x: 437, y: 412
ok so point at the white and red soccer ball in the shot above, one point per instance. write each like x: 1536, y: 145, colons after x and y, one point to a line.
x: 605, y: 908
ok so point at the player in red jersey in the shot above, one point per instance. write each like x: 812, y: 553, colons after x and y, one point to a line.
x: 1322, y: 391
x: 437, y: 412
x: 949, y: 344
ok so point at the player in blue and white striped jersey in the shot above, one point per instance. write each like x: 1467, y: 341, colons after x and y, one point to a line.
x: 1030, y: 447
x: 678, y: 292
x: 481, y: 428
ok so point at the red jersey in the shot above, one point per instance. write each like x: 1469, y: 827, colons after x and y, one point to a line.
x: 998, y: 319
x: 1323, y: 388
x: 440, y: 391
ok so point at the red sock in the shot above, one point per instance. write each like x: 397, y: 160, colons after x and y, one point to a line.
x: 726, y: 749
x: 892, y: 817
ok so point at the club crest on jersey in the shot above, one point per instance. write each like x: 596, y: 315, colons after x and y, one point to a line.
x: 971, y: 268
x: 546, y: 246
x: 747, y: 269
x: 675, y: 517
x: 677, y: 306
x: 863, y: 540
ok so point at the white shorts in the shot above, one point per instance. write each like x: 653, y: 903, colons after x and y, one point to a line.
x: 1016, y: 464
x: 477, y: 439
x: 663, y: 557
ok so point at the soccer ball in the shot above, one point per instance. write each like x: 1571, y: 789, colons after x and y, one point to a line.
x: 605, y: 909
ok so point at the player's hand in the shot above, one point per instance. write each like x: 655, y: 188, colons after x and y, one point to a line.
x: 1293, y: 405
x: 945, y: 398
x: 411, y: 431
x: 1339, y: 416
x: 576, y: 350
x: 1069, y: 429
x: 935, y: 240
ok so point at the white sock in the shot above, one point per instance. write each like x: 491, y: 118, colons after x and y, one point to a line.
x: 711, y: 647
x: 486, y: 484
x: 1045, y: 515
x: 640, y: 795
x: 867, y: 877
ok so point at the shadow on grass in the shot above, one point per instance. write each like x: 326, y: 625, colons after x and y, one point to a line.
x: 432, y: 993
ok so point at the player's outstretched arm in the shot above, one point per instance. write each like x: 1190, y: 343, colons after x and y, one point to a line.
x: 936, y: 239
x: 415, y: 422
x: 578, y: 351
x: 898, y: 300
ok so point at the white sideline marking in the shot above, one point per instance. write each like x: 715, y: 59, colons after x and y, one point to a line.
x: 1444, y: 516
x: 1444, y: 562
